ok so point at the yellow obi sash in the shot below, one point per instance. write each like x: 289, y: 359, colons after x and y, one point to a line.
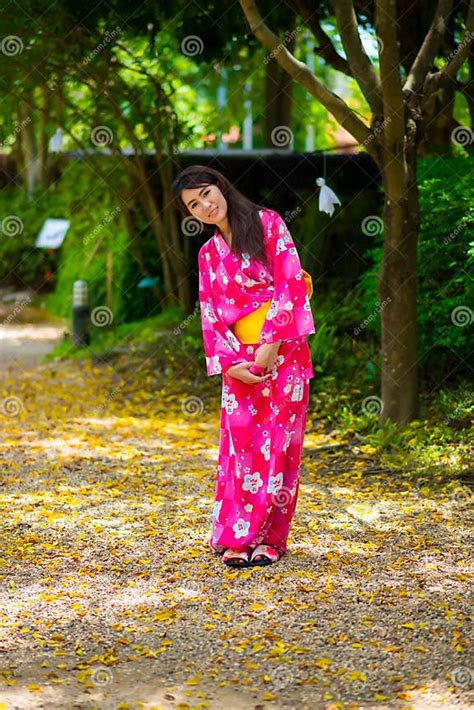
x: 248, y: 328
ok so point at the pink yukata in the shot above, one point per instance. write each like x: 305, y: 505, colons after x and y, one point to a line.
x: 261, y: 425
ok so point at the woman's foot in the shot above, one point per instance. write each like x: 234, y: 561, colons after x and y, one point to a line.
x: 265, y: 555
x: 236, y: 558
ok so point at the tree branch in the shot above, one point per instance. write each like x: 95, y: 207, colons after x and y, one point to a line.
x: 360, y: 64
x: 425, y: 57
x: 393, y: 104
x: 326, y: 49
x: 451, y: 68
x: 300, y: 72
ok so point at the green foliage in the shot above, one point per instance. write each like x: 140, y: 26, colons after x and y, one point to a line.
x: 323, y: 346
x: 97, y: 226
x: 445, y: 260
x: 21, y: 262
x: 335, y: 347
x: 438, y: 442
x: 347, y: 343
x: 457, y: 406
x: 136, y: 335
x: 445, y: 265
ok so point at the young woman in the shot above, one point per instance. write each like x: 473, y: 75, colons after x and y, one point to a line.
x: 255, y: 315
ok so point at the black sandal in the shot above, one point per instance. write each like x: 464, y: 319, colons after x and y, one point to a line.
x: 268, y: 553
x: 236, y: 558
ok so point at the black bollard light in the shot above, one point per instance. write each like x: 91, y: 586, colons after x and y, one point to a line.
x: 80, y: 314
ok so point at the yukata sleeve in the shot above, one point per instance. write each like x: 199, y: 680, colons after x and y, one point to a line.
x: 221, y: 347
x: 289, y: 316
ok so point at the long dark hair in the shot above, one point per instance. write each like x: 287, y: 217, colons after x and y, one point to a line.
x: 244, y: 220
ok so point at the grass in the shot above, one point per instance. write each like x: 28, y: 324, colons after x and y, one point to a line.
x: 139, y: 335
x: 439, y: 440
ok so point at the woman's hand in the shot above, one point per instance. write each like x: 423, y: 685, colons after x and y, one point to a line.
x: 241, y: 372
x: 266, y: 355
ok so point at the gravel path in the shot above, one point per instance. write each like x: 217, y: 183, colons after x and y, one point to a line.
x: 110, y: 598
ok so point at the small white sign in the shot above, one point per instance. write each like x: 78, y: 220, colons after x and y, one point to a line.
x: 52, y: 233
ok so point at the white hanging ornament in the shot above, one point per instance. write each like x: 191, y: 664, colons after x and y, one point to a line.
x: 327, y: 198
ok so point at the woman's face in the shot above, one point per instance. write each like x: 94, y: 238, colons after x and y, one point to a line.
x: 206, y: 203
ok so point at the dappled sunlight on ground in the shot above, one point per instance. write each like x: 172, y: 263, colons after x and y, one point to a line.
x: 110, y: 594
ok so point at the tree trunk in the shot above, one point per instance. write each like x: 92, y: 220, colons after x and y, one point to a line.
x: 44, y: 136
x: 278, y: 99
x: 179, y: 263
x: 398, y: 295
x: 469, y: 95
x: 439, y: 125
x: 31, y: 157
x: 156, y: 224
x: 135, y: 246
